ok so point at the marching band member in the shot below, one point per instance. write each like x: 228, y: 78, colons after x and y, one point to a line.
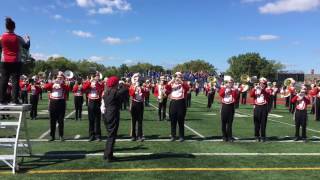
x: 24, y: 83
x: 244, y: 92
x: 197, y: 87
x: 161, y: 93
x: 293, y: 92
x: 57, y: 104
x: 229, y: 96
x: 269, y: 90
x: 317, y: 106
x: 237, y: 102
x: 147, y: 88
x: 110, y: 108
x: 188, y: 98
x: 274, y: 95
x: 35, y: 90
x: 301, y: 115
x: 78, y: 92
x: 177, y: 111
x: 211, y: 89
x: 124, y: 97
x: 261, y: 99
x: 94, y: 89
x: 137, y: 94
x: 313, y: 95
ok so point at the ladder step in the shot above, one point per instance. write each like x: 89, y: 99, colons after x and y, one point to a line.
x: 7, y: 140
x: 6, y: 157
x: 9, y: 124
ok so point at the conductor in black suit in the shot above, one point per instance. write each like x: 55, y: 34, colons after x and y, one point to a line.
x: 110, y: 107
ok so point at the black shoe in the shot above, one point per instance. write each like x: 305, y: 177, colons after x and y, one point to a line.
x: 296, y: 139
x: 61, y: 139
x: 232, y: 139
x: 111, y: 159
x: 141, y: 139
x: 305, y: 140
x: 224, y: 139
x: 257, y: 139
x: 172, y: 139
x: 52, y: 139
x: 263, y: 139
x: 91, y: 139
x: 133, y: 139
x: 99, y: 139
x: 181, y: 139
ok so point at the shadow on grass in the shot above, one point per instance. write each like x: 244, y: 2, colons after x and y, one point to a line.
x: 164, y: 155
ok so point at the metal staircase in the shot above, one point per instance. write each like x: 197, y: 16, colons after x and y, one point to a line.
x: 16, y: 124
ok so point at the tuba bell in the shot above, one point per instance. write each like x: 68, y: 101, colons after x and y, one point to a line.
x: 68, y: 74
x: 244, y: 78
x: 288, y: 81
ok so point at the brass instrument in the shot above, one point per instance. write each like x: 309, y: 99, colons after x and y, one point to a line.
x: 245, y: 78
x: 68, y: 74
x: 287, y: 82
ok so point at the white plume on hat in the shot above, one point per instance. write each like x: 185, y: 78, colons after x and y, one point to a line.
x: 135, y: 77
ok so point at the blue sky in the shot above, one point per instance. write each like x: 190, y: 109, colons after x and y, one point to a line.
x: 167, y: 32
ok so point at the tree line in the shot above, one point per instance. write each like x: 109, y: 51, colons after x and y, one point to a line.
x: 251, y: 64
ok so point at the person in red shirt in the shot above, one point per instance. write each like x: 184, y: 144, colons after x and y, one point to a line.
x: 161, y: 93
x: 137, y: 94
x: 301, y: 116
x: 24, y: 83
x: 270, y: 92
x: 11, y: 60
x: 275, y: 91
x: 78, y: 92
x: 229, y: 94
x: 178, y: 92
x: 147, y: 89
x: 34, y: 90
x: 94, y: 89
x: 261, y: 98
x: 293, y: 92
x: 313, y: 94
x: 57, y: 104
x: 211, y: 89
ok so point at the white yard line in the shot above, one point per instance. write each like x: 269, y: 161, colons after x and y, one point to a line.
x: 168, y: 154
x: 185, y: 125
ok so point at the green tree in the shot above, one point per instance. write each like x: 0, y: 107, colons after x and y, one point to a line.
x: 252, y: 64
x: 195, y: 66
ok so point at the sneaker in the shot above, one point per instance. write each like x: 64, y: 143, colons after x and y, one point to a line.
x: 296, y: 139
x: 91, y: 139
x: 141, y: 139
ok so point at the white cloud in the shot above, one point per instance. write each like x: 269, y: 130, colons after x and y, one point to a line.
x: 104, y: 6
x: 41, y: 56
x: 57, y: 16
x: 82, y: 34
x: 264, y: 37
x: 116, y: 41
x: 286, y: 6
x: 95, y: 58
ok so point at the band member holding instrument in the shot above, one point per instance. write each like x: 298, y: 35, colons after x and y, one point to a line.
x: 161, y: 93
x: 147, y: 89
x: 11, y: 61
x: 301, y: 115
x: 188, y: 98
x: 78, y: 92
x: 24, y: 83
x: 110, y: 108
x: 57, y: 104
x: 94, y: 89
x: 274, y: 96
x: 293, y: 92
x: 229, y: 95
x: 197, y: 87
x: 244, y: 93
x: 260, y: 116
x: 34, y: 90
x: 137, y: 94
x: 177, y: 111
x: 211, y: 89
x: 313, y: 95
x: 270, y: 92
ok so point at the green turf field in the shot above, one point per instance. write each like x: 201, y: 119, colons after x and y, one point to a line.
x: 202, y: 156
